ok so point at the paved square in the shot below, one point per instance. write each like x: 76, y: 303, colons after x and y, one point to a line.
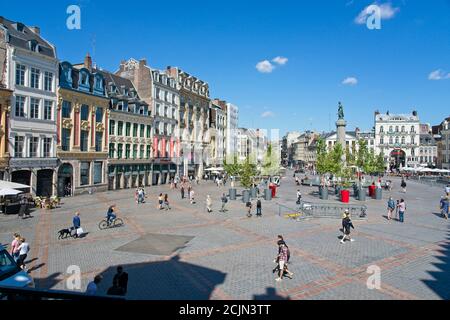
x: 188, y: 253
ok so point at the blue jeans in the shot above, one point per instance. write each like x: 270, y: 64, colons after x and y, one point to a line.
x: 401, y: 216
x: 111, y: 217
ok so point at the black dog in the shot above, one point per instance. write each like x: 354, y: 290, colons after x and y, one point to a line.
x: 64, y: 233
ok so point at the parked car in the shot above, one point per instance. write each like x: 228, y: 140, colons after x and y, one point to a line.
x: 10, y: 273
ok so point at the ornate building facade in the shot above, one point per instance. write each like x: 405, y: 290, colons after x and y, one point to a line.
x: 82, y: 129
x: 31, y: 73
x: 398, y: 138
x: 217, y: 131
x: 194, y: 121
x: 5, y: 109
x: 130, y: 139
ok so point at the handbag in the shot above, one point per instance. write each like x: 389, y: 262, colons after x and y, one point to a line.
x: 79, y: 231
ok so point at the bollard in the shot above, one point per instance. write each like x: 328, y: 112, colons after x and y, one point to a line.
x: 378, y: 194
x: 362, y: 194
x: 232, y: 194
x: 323, y: 193
x: 267, y: 194
x: 245, y: 196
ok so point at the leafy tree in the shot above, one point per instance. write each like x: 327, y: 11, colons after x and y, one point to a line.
x: 248, y: 171
x: 271, y: 162
x: 232, y: 166
x: 335, y: 163
x: 322, y: 157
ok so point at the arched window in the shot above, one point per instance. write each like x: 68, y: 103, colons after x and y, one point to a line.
x: 412, y: 129
x: 403, y: 128
x: 396, y: 140
x: 391, y: 129
x: 403, y: 140
x: 391, y: 140
x: 396, y: 128
x: 381, y: 129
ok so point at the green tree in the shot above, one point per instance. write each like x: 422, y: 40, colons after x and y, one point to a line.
x: 322, y: 157
x: 248, y: 171
x: 335, y: 163
x: 271, y: 162
x: 232, y: 166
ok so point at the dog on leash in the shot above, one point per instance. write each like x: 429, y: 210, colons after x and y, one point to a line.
x: 64, y: 233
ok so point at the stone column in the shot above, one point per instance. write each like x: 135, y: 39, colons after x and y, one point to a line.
x: 55, y: 182
x: 122, y: 181
x: 341, y: 125
x: 33, y: 181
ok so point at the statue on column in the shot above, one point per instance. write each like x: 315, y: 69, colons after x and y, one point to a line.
x: 340, y: 112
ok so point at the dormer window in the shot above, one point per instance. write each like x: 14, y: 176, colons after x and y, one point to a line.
x: 20, y: 27
x: 33, y: 45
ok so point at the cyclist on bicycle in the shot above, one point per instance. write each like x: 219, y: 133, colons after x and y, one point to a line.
x: 110, y: 215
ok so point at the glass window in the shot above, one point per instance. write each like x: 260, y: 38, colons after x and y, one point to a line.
x: 84, y: 173
x: 34, y: 108
x: 20, y: 75
x: 99, y: 115
x: 111, y: 150
x: 128, y: 129
x: 120, y: 128
x: 127, y: 151
x: 98, y: 170
x: 47, y: 147
x: 135, y: 151
x: 135, y: 130
x: 149, y: 130
x: 112, y: 127
x: 141, y: 152
x: 48, y: 109
x: 34, y: 146
x: 148, y: 152
x: 48, y: 81
x: 65, y: 139
x: 119, y: 151
x: 98, y: 141
x: 34, y: 80
x: 84, y: 135
x: 84, y: 112
x: 18, y: 146
x: 66, y: 109
x: 142, y: 132
x: 20, y: 106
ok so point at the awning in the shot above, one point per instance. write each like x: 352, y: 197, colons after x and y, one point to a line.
x: 12, y: 185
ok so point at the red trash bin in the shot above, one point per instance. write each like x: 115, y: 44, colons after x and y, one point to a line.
x: 372, y: 191
x: 345, y: 196
x: 273, y: 188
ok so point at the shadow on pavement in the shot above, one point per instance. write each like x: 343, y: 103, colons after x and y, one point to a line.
x: 271, y: 294
x: 441, y: 283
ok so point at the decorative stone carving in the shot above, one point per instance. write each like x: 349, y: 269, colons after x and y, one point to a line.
x: 85, y: 125
x: 99, y: 127
x: 77, y: 107
x: 67, y: 123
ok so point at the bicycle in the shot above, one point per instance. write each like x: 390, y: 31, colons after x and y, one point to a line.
x: 117, y: 222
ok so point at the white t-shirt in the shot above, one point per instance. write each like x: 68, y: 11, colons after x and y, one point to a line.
x: 447, y: 189
x: 24, y: 248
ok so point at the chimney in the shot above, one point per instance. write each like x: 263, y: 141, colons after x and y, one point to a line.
x: 88, y: 62
x: 36, y: 30
x: 143, y: 62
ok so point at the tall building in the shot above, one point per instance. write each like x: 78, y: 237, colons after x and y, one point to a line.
x: 304, y: 150
x: 287, y: 147
x: 217, y: 132
x: 31, y: 73
x: 252, y: 143
x: 194, y: 120
x: 398, y: 138
x: 231, y: 131
x: 428, y: 150
x: 160, y: 91
x: 5, y: 108
x: 130, y: 141
x: 442, y: 134
x: 82, y: 126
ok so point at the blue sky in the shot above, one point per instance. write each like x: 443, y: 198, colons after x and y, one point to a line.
x: 222, y: 42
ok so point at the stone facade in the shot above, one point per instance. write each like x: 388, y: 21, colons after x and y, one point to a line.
x: 82, y: 123
x: 31, y: 73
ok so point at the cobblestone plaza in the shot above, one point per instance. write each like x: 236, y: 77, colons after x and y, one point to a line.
x: 187, y: 253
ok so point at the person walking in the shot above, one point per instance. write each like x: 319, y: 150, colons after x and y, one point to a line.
x: 189, y: 191
x: 390, y: 208
x: 444, y: 205
x: 24, y: 249
x: 160, y: 201
x: 347, y: 224
x: 403, y: 185
x: 259, y: 208
x: 92, y: 286
x: 208, y: 203
x: 224, y: 200
x: 192, y: 196
x: 166, y: 202
x: 182, y: 192
x: 15, y: 247
x: 401, y: 210
x: 447, y: 190
x: 282, y: 261
x: 76, y: 221
x: 299, y: 197
x: 122, y: 280
x: 249, y: 209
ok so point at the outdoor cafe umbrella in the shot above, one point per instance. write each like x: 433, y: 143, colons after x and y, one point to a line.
x: 9, y: 192
x: 12, y: 185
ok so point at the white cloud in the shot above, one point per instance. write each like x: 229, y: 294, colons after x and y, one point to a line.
x: 265, y: 66
x: 351, y: 81
x: 267, y: 114
x: 387, y: 12
x: 280, y: 60
x: 438, y: 75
